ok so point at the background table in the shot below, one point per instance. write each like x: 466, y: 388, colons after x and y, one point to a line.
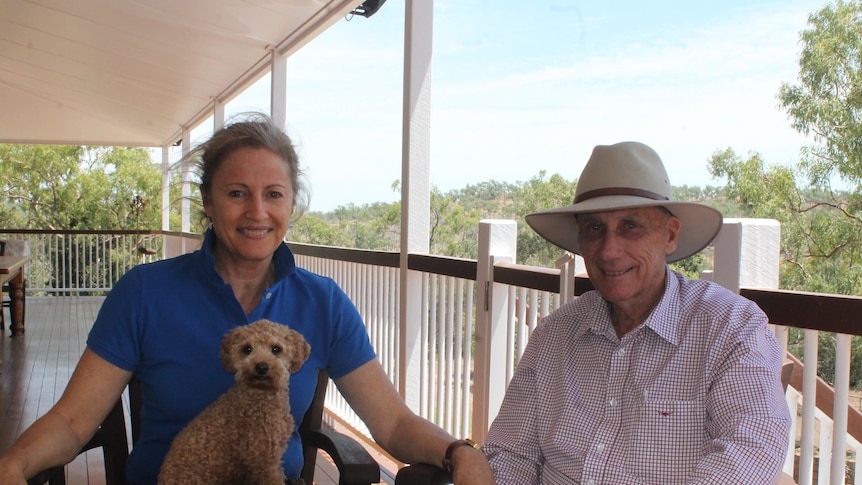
x: 12, y: 272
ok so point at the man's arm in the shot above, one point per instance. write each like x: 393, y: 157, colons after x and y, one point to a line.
x: 749, y: 421
x: 512, y: 447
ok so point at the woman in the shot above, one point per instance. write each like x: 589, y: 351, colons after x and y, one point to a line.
x: 163, y: 323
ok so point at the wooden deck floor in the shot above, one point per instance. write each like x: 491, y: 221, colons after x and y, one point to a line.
x: 36, y: 367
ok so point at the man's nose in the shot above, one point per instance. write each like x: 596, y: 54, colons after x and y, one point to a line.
x: 611, y: 244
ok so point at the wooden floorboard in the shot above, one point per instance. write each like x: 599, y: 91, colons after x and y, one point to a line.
x: 35, y: 367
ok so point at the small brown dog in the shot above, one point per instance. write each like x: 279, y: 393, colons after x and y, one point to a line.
x: 241, y: 437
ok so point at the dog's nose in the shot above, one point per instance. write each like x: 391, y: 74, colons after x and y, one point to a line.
x: 261, y: 368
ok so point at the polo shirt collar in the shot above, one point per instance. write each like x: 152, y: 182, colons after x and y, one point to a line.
x: 285, y: 263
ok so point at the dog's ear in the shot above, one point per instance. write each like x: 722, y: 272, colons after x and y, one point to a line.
x: 227, y: 344
x: 301, y: 349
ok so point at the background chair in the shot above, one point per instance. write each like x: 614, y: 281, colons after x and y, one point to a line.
x: 3, y: 312
x: 12, y: 247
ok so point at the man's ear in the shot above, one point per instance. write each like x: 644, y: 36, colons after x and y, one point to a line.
x: 673, y: 227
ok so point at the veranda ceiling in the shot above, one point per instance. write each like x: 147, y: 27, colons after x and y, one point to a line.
x: 134, y: 72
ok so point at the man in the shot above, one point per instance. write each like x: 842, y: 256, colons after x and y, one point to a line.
x: 652, y: 378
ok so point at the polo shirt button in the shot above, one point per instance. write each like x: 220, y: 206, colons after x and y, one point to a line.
x: 268, y: 295
x: 590, y: 482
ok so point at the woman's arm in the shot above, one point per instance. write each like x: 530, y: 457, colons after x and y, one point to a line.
x: 402, y: 433
x: 57, y: 437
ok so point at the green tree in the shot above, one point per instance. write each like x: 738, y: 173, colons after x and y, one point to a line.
x: 88, y: 188
x: 68, y: 187
x: 826, y: 104
x: 537, y: 194
x: 813, y: 241
x: 312, y: 228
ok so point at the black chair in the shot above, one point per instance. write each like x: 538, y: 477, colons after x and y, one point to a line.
x: 112, y: 438
x: 422, y: 473
x: 354, y: 463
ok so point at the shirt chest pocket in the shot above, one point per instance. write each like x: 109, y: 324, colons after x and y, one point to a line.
x: 668, y: 437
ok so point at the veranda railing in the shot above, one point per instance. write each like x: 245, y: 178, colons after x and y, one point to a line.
x: 454, y: 298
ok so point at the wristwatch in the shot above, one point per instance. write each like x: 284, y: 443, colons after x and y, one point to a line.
x: 447, y: 458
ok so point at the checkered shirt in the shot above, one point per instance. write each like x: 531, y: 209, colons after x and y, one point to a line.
x: 693, y: 395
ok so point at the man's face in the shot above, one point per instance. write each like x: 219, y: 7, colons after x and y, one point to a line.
x: 625, y: 251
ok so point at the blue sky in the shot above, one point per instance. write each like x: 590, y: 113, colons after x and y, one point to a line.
x: 520, y: 87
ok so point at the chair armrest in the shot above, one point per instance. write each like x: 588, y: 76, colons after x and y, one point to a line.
x: 355, y: 465
x: 422, y: 474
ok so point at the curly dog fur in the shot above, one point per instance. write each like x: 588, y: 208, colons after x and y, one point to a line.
x: 241, y: 437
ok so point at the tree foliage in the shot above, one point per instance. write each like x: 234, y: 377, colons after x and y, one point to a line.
x: 827, y: 101
x: 67, y: 187
x: 821, y: 226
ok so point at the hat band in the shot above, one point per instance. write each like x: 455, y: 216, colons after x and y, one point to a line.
x: 592, y: 194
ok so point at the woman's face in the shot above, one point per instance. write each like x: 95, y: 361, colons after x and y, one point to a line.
x: 250, y: 202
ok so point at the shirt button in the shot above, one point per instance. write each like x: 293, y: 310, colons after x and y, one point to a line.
x: 612, y: 402
x: 621, y: 352
x: 268, y: 295
x: 590, y: 482
x: 600, y: 447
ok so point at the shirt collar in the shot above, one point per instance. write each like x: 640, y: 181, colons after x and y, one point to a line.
x: 285, y: 263
x: 660, y: 320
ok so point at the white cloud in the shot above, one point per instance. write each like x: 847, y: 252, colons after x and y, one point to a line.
x: 518, y: 91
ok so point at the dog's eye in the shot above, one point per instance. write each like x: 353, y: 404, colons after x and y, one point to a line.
x: 276, y: 349
x: 246, y: 350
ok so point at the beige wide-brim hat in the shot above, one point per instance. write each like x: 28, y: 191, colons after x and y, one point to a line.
x: 625, y: 176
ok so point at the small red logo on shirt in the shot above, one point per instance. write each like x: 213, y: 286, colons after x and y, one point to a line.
x: 664, y: 413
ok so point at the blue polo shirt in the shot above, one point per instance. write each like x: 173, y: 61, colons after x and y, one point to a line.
x: 164, y: 322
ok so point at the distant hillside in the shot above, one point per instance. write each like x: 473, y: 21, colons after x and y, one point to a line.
x: 455, y: 217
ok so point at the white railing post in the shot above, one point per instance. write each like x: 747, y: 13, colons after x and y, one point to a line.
x: 497, y: 243
x: 570, y: 265
x: 839, y: 410
x: 186, y: 188
x: 809, y: 408
x: 415, y: 190
x: 746, y: 254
